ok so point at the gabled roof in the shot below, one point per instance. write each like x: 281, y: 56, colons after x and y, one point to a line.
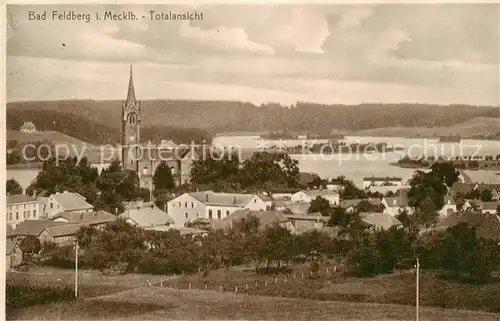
x: 355, y: 202
x: 448, y: 200
x: 147, y: 215
x: 89, y: 218
x: 34, y: 227
x: 64, y: 230
x: 14, y: 199
x: 222, y: 199
x: 380, y: 220
x: 489, y: 205
x: 10, y: 245
x: 313, y: 193
x: 266, y: 218
x: 71, y: 201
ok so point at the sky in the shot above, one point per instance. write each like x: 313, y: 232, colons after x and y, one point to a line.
x: 329, y: 54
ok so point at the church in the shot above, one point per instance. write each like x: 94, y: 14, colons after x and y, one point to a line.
x: 145, y: 158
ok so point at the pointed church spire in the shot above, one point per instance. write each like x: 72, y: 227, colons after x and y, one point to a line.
x: 131, y: 92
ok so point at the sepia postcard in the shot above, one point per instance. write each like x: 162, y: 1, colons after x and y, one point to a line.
x: 239, y: 161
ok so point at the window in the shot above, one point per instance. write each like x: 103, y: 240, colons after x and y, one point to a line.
x: 17, y: 216
x: 219, y: 214
x: 255, y: 200
x: 186, y: 214
x: 29, y: 214
x: 34, y: 213
x: 192, y: 204
x: 180, y: 204
x: 10, y: 216
x: 227, y: 213
x: 197, y: 214
x: 51, y: 205
x: 210, y: 214
x: 24, y: 214
x: 24, y: 205
x: 186, y: 204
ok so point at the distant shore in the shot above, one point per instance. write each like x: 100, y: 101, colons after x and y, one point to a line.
x: 31, y: 165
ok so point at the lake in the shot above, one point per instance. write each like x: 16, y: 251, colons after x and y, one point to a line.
x: 352, y: 166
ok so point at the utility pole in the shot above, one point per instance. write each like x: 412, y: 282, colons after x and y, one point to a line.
x: 76, y: 269
x: 417, y: 289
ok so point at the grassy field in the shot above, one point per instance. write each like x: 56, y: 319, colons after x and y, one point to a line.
x: 398, y: 288
x: 129, y: 298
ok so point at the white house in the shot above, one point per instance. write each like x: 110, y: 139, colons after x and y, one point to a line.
x: 449, y: 206
x: 396, y: 205
x: 382, y: 181
x: 147, y: 216
x: 67, y: 202
x: 489, y: 207
x: 210, y: 205
x: 21, y: 208
x: 307, y: 196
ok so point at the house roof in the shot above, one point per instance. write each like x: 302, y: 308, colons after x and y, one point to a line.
x: 356, y: 201
x: 64, y: 230
x: 9, y: 230
x: 10, y: 245
x: 400, y: 201
x: 382, y: 179
x: 266, y: 218
x: 14, y: 199
x: 190, y: 231
x: 309, y: 217
x: 89, y: 218
x: 264, y: 197
x: 34, y: 227
x: 313, y: 193
x: 222, y: 199
x: 489, y: 205
x: 487, y: 225
x: 71, y: 201
x: 380, y: 220
x: 147, y: 215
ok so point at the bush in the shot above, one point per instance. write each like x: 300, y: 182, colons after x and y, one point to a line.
x: 24, y: 295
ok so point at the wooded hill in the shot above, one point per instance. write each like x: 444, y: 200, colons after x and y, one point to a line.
x: 99, y: 121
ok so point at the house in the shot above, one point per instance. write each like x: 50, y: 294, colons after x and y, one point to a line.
x: 351, y: 205
x: 307, y: 196
x: 147, y: 216
x: 21, y: 208
x: 294, y: 207
x: 489, y: 207
x: 62, y: 235
x: 67, y: 202
x: 382, y: 181
x: 304, y: 223
x: 266, y: 218
x: 14, y: 254
x: 32, y: 228
x: 9, y: 232
x: 396, y: 205
x: 335, y: 187
x: 267, y: 200
x: 450, y: 206
x: 487, y: 225
x: 96, y: 219
x: 380, y: 220
x: 28, y: 127
x: 386, y: 189
x: 191, y: 206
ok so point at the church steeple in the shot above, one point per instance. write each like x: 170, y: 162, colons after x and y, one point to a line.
x: 131, y: 91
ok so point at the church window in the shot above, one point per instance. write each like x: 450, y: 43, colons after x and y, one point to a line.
x: 186, y: 214
x: 132, y: 119
x: 185, y: 204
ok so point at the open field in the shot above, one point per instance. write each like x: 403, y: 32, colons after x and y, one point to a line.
x: 129, y: 297
x: 155, y: 303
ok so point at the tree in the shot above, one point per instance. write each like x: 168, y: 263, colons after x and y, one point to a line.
x: 271, y: 169
x: 162, y: 178
x: 365, y: 206
x: 339, y: 217
x: 218, y: 166
x: 486, y: 195
x: 349, y: 189
x: 446, y: 172
x: 276, y: 244
x: 30, y: 245
x: 320, y: 205
x: 13, y: 187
